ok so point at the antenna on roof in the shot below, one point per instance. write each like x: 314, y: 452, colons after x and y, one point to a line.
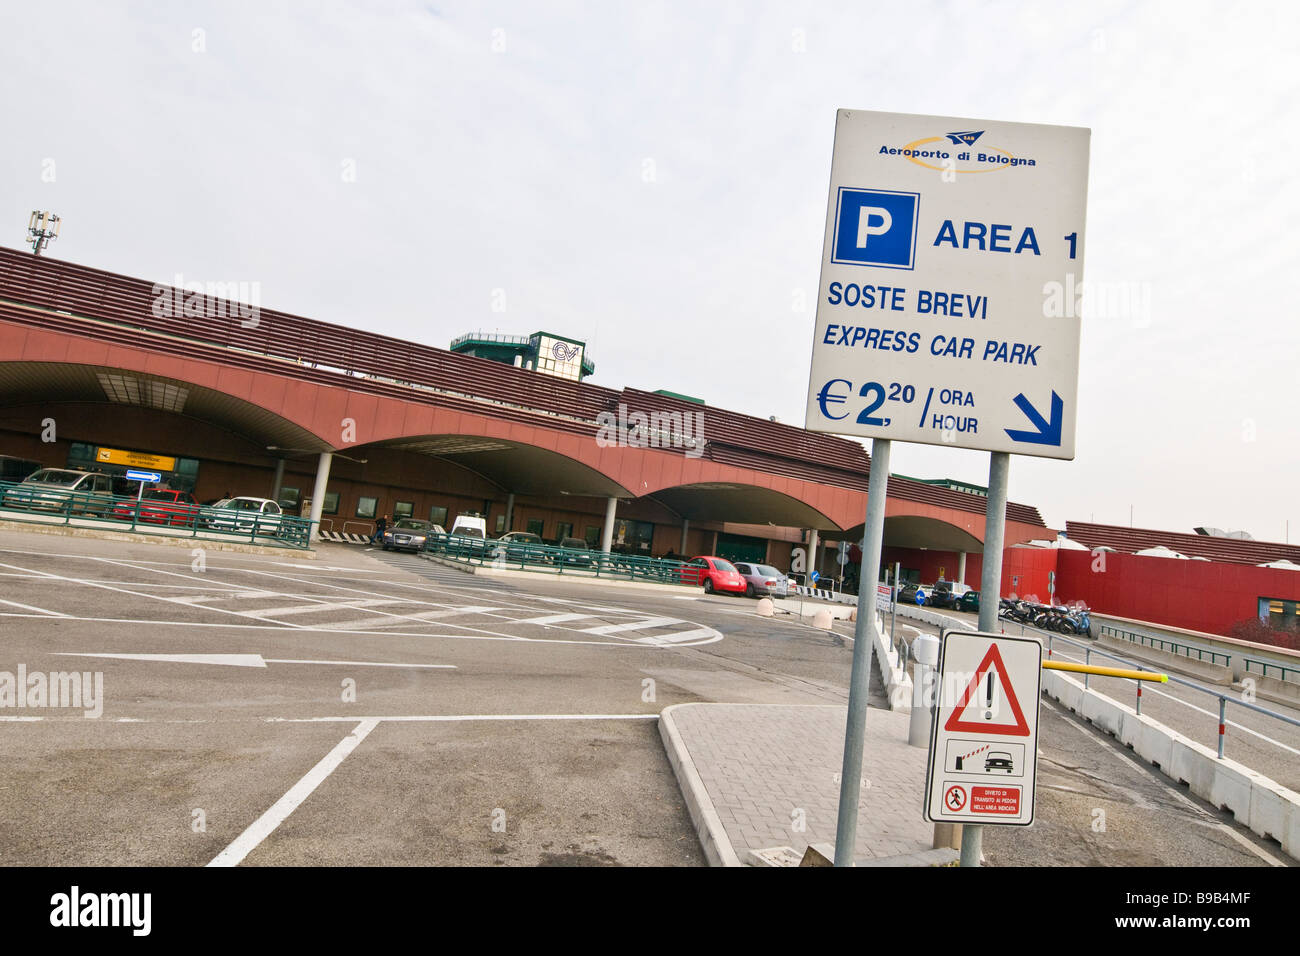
x: 41, y: 228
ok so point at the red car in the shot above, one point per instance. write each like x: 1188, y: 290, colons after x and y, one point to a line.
x: 716, y: 574
x: 160, y: 506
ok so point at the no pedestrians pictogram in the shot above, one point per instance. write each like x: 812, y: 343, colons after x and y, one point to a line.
x: 954, y: 798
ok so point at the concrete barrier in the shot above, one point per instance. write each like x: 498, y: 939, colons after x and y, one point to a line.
x: 1215, y: 673
x: 1277, y: 690
x: 1256, y: 801
x: 893, y: 672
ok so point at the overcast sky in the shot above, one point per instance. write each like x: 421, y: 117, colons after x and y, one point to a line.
x: 652, y: 178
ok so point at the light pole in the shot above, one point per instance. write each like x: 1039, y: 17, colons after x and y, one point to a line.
x: 41, y: 228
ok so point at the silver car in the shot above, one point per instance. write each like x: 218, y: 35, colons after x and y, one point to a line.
x: 763, y: 580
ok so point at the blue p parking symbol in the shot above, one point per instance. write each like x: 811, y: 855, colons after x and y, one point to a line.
x: 875, y: 227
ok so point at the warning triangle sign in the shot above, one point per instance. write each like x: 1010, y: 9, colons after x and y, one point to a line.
x: 956, y: 721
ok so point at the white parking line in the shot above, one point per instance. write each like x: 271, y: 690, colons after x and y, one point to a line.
x: 1208, y: 821
x: 607, y: 629
x: 266, y: 824
x: 28, y: 607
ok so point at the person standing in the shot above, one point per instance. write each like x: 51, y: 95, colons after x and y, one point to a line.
x: 381, y: 525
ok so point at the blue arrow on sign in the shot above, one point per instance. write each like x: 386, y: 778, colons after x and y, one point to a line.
x: 134, y: 475
x: 1049, y: 433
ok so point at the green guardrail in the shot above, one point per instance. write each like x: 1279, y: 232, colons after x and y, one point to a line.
x: 45, y: 504
x: 1266, y: 666
x: 521, y: 556
x: 1161, y: 644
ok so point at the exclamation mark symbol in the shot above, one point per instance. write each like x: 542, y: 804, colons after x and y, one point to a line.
x: 988, y: 698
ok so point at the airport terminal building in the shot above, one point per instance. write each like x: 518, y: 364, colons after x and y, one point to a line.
x: 105, y: 372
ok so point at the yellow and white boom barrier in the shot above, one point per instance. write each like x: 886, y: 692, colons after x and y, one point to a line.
x: 1104, y: 671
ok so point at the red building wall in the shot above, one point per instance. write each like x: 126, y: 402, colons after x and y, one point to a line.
x: 1206, y: 596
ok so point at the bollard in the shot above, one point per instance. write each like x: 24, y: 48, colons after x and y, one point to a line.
x: 765, y: 607
x: 822, y: 619
x: 925, y: 652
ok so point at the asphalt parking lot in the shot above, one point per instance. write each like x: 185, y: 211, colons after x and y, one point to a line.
x: 367, y: 708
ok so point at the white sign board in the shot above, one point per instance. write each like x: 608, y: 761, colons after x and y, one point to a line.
x: 952, y: 270
x: 984, y: 740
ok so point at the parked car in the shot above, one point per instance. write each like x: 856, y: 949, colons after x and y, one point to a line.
x: 160, y: 506
x: 571, y: 545
x: 715, y: 574
x: 521, y: 546
x: 908, y: 594
x: 762, y: 579
x: 63, y: 489
x: 970, y: 601
x: 407, y: 534
x: 942, y: 595
x: 244, y: 514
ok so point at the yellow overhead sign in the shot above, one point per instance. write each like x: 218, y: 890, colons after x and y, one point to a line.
x: 135, y: 459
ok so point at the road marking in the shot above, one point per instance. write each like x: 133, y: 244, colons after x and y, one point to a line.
x: 454, y: 718
x: 606, y: 629
x: 28, y: 607
x: 681, y: 636
x: 1199, y: 710
x: 551, y: 619
x: 228, y: 660
x: 241, y: 660
x: 274, y: 660
x: 271, y: 612
x: 266, y: 824
x: 482, y: 635
x: 1172, y: 788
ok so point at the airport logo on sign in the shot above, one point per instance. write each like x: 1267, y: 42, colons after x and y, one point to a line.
x: 876, y: 227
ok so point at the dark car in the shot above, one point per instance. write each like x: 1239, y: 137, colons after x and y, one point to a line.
x: 942, y: 595
x: 571, y: 545
x: 970, y: 601
x: 407, y: 534
x: 908, y: 594
x: 998, y: 760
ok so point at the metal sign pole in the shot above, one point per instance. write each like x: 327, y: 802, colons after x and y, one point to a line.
x: 995, y: 520
x: 846, y: 830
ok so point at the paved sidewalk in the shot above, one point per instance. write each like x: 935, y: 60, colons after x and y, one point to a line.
x: 758, y: 776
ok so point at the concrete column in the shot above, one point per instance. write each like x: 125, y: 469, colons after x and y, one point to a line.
x: 607, y: 535
x: 961, y: 567
x: 686, y: 526
x: 814, y: 542
x: 510, y: 511
x: 318, y: 493
x: 279, y: 479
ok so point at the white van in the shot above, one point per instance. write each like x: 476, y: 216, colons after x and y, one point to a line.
x: 469, y: 526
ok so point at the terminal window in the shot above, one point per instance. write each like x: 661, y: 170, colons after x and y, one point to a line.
x: 564, y: 529
x: 438, y: 516
x: 289, y: 498
x: 403, y: 509
x: 1279, y: 614
x: 535, y: 526
x: 330, y: 505
x: 366, y: 507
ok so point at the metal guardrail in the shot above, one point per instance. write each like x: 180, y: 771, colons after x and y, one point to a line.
x: 523, y: 556
x: 1223, y: 699
x: 1266, y: 666
x: 1159, y: 643
x: 28, y: 502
